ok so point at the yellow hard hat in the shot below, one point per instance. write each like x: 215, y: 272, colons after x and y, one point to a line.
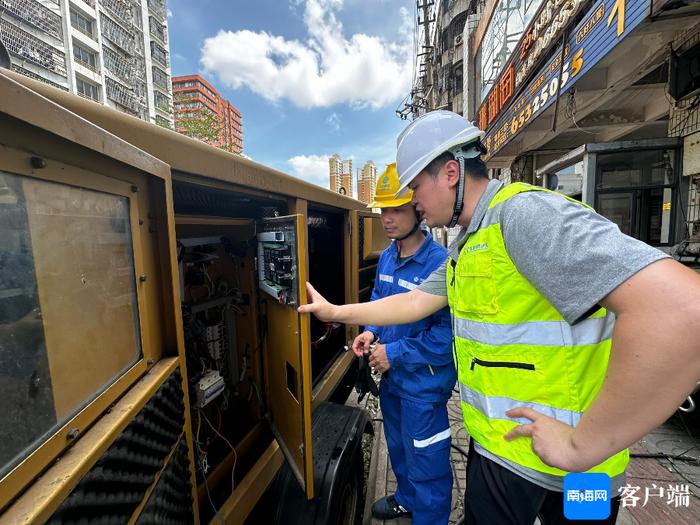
x: 387, y: 186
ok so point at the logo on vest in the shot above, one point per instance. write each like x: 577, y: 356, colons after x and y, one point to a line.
x: 482, y: 246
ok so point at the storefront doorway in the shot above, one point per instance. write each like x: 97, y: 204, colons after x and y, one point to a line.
x: 634, y: 184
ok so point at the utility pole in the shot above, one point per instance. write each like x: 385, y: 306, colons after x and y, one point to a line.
x: 419, y: 98
x: 426, y: 66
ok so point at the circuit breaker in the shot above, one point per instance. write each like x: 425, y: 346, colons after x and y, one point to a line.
x: 277, y: 261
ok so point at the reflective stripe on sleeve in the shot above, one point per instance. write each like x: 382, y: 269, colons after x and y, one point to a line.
x: 405, y: 284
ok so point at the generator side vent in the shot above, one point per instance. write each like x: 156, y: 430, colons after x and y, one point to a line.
x: 112, y: 490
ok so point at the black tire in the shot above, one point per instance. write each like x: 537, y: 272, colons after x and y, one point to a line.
x: 346, y: 505
x: 338, y: 473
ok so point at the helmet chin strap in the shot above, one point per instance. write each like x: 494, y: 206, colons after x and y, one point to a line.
x: 459, y: 198
x: 413, y: 230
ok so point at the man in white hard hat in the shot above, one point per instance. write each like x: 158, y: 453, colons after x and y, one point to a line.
x: 566, y: 330
x: 418, y: 371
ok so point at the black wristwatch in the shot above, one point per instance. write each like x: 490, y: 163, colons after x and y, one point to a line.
x: 375, y: 336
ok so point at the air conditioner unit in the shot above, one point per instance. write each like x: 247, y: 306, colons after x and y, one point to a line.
x: 458, y: 40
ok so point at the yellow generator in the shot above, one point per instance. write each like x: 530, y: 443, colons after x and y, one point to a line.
x: 153, y: 366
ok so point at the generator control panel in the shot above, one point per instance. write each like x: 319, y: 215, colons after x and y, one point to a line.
x: 277, y: 261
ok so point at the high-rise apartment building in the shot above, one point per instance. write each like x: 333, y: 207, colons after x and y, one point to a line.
x: 195, y: 99
x: 340, y: 175
x: 366, y: 182
x: 111, y: 51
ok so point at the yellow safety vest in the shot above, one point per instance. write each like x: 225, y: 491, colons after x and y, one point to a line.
x: 512, y: 347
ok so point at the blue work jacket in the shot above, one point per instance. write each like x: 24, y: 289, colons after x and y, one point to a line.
x: 420, y: 353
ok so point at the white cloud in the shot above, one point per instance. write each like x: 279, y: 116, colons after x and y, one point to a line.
x: 327, y: 68
x: 311, y: 168
x: 170, y: 13
x: 333, y: 121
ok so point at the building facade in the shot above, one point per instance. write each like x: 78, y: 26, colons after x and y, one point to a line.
x: 366, y: 182
x: 340, y: 175
x: 439, y: 79
x: 597, y: 100
x: 114, y: 52
x: 193, y: 97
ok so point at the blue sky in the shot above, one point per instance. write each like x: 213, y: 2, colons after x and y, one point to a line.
x: 310, y: 77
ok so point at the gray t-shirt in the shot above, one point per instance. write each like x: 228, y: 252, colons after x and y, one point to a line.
x: 570, y: 254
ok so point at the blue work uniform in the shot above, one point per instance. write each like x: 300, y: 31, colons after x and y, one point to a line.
x: 413, y: 393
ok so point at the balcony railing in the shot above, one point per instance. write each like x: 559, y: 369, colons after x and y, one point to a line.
x: 86, y: 65
x: 31, y: 74
x: 28, y: 47
x: 157, y: 7
x: 34, y: 13
x: 157, y: 30
x: 85, y: 32
x: 118, y: 35
x: 120, y: 9
x: 119, y: 65
x: 121, y: 95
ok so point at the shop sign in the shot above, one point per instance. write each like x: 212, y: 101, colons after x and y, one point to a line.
x: 546, y: 26
x: 600, y: 30
x: 553, y: 17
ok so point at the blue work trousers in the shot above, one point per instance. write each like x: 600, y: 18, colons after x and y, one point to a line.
x: 418, y: 439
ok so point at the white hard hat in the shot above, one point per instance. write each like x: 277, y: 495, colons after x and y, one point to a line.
x: 428, y: 137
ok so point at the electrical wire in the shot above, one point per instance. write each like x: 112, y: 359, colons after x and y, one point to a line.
x: 688, y: 110
x: 460, y: 450
x: 570, y: 110
x: 257, y: 391
x: 671, y: 457
x: 235, y: 454
x: 211, y: 501
x: 661, y: 455
x: 201, y: 462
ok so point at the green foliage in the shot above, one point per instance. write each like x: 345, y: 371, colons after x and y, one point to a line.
x: 200, y: 123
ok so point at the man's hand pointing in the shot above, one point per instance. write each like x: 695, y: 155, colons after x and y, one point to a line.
x: 317, y: 305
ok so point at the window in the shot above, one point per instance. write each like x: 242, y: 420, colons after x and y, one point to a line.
x: 82, y: 23
x: 160, y: 78
x: 163, y: 122
x: 87, y: 89
x: 69, y: 319
x: 503, y: 33
x: 159, y: 54
x: 84, y: 56
x: 637, y: 190
x: 162, y: 101
x: 568, y: 180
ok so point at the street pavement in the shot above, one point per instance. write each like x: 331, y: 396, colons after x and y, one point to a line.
x: 659, y: 491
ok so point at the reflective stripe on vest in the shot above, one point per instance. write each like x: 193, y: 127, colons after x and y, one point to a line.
x: 537, y: 333
x: 514, y: 349
x: 496, y: 407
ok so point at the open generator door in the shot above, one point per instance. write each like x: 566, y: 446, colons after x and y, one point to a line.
x: 282, y: 275
x: 368, y: 241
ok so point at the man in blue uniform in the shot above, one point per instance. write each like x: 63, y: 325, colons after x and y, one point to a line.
x: 417, y: 366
